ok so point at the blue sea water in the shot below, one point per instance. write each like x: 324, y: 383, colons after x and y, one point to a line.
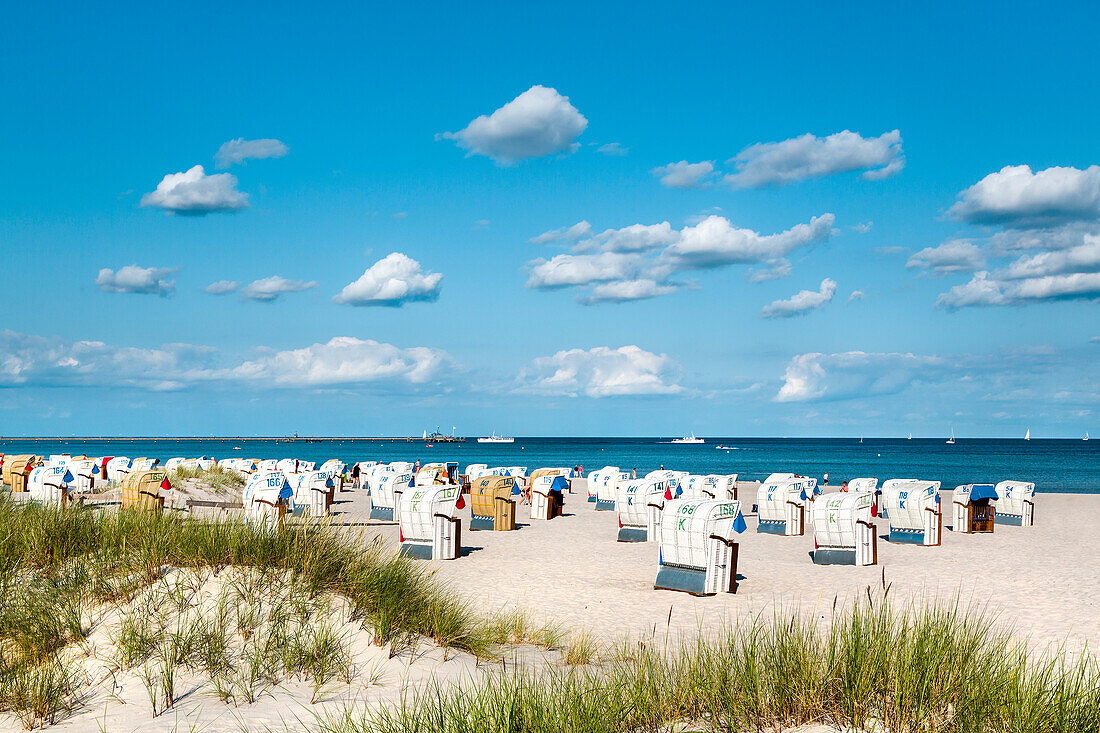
x: 1053, y: 465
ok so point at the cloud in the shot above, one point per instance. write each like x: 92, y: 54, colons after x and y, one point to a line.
x: 779, y: 269
x: 573, y: 233
x: 955, y: 255
x: 640, y: 260
x: 35, y: 361
x: 807, y: 156
x: 134, y: 279
x: 1018, y: 198
x: 239, y: 150
x: 394, y: 280
x: 624, y: 290
x: 222, y: 287
x: 27, y: 360
x: 684, y: 174
x: 612, y: 149
x: 268, y: 289
x: 193, y: 193
x: 862, y: 227
x: 601, y: 372
x: 856, y: 295
x: 345, y: 361
x: 816, y: 376
x: 1068, y: 274
x: 537, y: 123
x: 801, y: 302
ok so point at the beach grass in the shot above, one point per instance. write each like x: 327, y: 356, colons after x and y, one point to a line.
x: 921, y: 669
x: 56, y: 566
x: 219, y: 479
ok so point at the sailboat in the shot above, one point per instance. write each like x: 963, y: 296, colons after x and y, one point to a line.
x: 910, y: 436
x: 951, y: 440
x: 1027, y: 435
x: 1086, y: 436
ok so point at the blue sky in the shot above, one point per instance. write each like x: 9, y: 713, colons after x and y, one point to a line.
x: 722, y: 179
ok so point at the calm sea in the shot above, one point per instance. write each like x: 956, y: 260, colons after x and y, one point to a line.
x: 1054, y: 465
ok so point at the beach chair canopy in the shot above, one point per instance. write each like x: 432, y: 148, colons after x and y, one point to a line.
x: 144, y: 464
x: 696, y: 486
x: 834, y: 517
x: 268, y: 487
x: 597, y: 477
x: 547, y: 483
x: 267, y: 464
x: 334, y: 466
x: 969, y: 493
x: 173, y: 463
x: 381, y: 494
x: 687, y: 526
x: 1011, y: 496
x: 117, y: 468
x: 437, y: 473
x: 906, y: 500
x: 59, y: 459
x: 540, y: 472
x: 287, y: 465
x: 862, y: 484
x: 48, y: 484
x: 473, y: 468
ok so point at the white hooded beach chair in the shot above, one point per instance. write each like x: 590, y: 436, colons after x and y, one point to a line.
x: 267, y: 464
x: 547, y: 495
x: 85, y: 471
x: 117, y: 468
x: 781, y: 507
x: 436, y: 473
x: 173, y: 463
x: 382, y: 494
x: 429, y: 526
x: 287, y: 465
x: 607, y: 490
x: 1015, y: 503
x: 843, y: 531
x: 696, y: 552
x: 913, y: 508
x: 639, y: 505
x: 973, y: 508
x: 143, y: 464
x: 50, y: 484
x: 313, y: 493
x: 334, y: 466
x: 670, y: 478
x: 596, y: 478
x: 266, y: 498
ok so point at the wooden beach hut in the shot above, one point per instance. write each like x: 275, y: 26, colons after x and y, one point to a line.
x: 429, y: 528
x: 493, y: 503
x: 639, y: 505
x: 973, y: 508
x: 1015, y: 503
x: 843, y: 531
x: 697, y: 551
x: 913, y: 508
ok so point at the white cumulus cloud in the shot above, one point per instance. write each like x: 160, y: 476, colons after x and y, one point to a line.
x: 268, y: 289
x: 1017, y: 197
x: 344, y: 361
x: 624, y: 290
x: 715, y: 241
x: 239, y: 150
x: 612, y: 149
x: 222, y: 287
x: 537, y: 123
x: 601, y: 372
x: 571, y: 233
x: 808, y: 156
x: 955, y: 255
x: 816, y: 376
x: 193, y: 193
x: 684, y: 174
x: 565, y: 270
x: 394, y: 280
x: 134, y: 279
x: 801, y: 302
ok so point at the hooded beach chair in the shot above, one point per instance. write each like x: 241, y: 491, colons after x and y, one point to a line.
x: 639, y: 505
x: 382, y: 495
x: 493, y: 503
x: 173, y: 464
x: 436, y: 473
x: 913, y: 508
x: 596, y: 477
x: 710, y: 486
x: 547, y: 495
x: 50, y: 484
x: 145, y: 490
x: 973, y: 508
x: 117, y: 468
x: 604, y: 485
x: 1015, y: 503
x: 843, y: 531
x: 781, y: 506
x: 85, y: 471
x: 17, y: 469
x: 266, y: 498
x: 313, y: 493
x: 697, y: 551
x: 428, y: 527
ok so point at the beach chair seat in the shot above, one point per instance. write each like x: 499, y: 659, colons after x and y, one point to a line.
x: 973, y: 508
x: 697, y: 551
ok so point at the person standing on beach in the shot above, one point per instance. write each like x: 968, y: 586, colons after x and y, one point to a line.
x: 825, y: 480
